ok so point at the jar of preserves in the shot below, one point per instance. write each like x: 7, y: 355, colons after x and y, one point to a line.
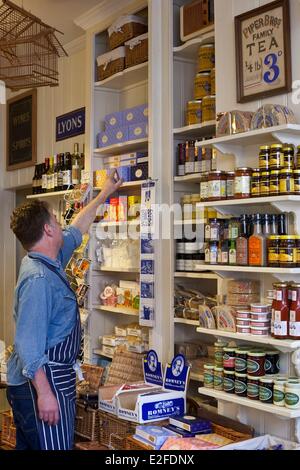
x: 217, y: 186
x: 279, y: 391
x: 298, y: 157
x: 213, y: 81
x: 288, y: 157
x: 276, y: 157
x: 209, y: 375
x: 209, y: 108
x: 280, y: 311
x: 202, y: 85
x: 256, y: 363
x: 218, y: 378
x: 272, y: 363
x: 266, y: 390
x: 294, y: 319
x: 274, y: 251
x: 297, y: 182
x: 187, y: 207
x: 241, y: 356
x: 297, y: 237
x: 240, y: 386
x: 206, y: 57
x: 219, y: 352
x: 253, y: 387
x: 288, y: 251
x: 265, y: 183
x: 229, y: 381
x: 264, y: 157
x: 287, y: 182
x: 230, y: 184
x: 204, y: 187
x: 275, y: 183
x: 255, y: 183
x: 292, y: 395
x: 194, y: 112
x: 242, y: 183
x: 229, y: 359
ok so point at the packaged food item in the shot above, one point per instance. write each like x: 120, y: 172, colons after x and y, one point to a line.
x: 253, y: 387
x: 245, y: 330
x: 243, y: 287
x: 206, y: 57
x: 242, y: 299
x: 240, y: 386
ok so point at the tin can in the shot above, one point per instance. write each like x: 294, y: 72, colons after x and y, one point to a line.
x: 209, y: 108
x: 202, y: 85
x: 206, y: 57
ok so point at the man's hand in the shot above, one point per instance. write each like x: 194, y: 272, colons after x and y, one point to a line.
x: 112, y: 184
x: 48, y: 408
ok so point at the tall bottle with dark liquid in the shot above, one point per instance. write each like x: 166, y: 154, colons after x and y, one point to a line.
x: 282, y: 224
x: 75, y: 166
x: 55, y: 173
x: 242, y: 243
x: 35, y: 180
x: 60, y: 172
x: 68, y: 172
x: 45, y: 175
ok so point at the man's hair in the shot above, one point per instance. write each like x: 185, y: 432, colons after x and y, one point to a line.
x: 28, y: 220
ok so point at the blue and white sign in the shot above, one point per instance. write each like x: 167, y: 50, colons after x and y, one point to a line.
x: 176, y: 374
x: 163, y: 408
x: 152, y: 369
x: 70, y: 124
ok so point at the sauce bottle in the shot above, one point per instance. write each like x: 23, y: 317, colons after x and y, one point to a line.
x: 257, y: 244
x: 242, y: 243
x: 281, y: 311
x: 294, y: 318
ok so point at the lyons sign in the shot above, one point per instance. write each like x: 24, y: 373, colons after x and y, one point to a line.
x: 70, y: 124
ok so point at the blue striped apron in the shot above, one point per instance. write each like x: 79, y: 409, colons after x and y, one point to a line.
x: 62, y: 379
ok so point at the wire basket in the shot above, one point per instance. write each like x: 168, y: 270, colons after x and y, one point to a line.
x: 127, y: 32
x: 8, y: 435
x: 113, y: 431
x: 86, y: 422
x: 93, y: 445
x: 136, y: 52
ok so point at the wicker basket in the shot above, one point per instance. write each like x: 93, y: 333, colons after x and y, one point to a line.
x: 195, y: 17
x: 136, y: 51
x: 133, y: 444
x: 92, y: 377
x: 94, y: 445
x: 87, y: 422
x: 126, y: 28
x: 110, y: 63
x: 8, y: 435
x: 113, y: 431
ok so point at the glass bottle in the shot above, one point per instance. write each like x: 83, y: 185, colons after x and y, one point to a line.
x: 55, y: 173
x: 257, y: 244
x: 232, y: 253
x: 75, y: 166
x: 50, y: 176
x: 242, y: 243
x: 282, y: 224
x: 280, y: 313
x: 82, y: 158
x: 44, y: 175
x: 35, y: 180
x: 39, y: 179
x: 67, y: 178
x: 181, y: 160
x: 60, y: 172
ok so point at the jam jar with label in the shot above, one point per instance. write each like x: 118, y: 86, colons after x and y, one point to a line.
x: 266, y: 386
x: 274, y: 251
x: 276, y: 157
x: 240, y: 386
x: 229, y: 381
x: 253, y: 387
x: 241, y: 356
x: 272, y: 363
x: 280, y: 311
x: 217, y: 186
x: 229, y: 359
x: 264, y: 157
x: 287, y: 182
x: 275, y: 182
x: 294, y: 324
x: 230, y: 184
x: 242, y: 183
x: 288, y: 251
x: 288, y: 157
x: 265, y: 183
x: 219, y: 352
x: 204, y: 187
x: 255, y: 183
x: 256, y: 363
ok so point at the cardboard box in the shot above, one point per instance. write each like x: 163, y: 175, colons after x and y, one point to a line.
x: 112, y: 340
x: 138, y: 131
x: 114, y: 120
x: 139, y: 172
x: 120, y: 331
x: 122, y: 208
x: 104, y: 139
x: 136, y: 115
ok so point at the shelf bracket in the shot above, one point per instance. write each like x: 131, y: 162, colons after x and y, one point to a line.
x: 286, y: 137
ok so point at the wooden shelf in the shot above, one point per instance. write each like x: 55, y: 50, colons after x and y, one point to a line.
x: 227, y: 144
x: 256, y: 404
x: 193, y: 178
x: 122, y: 147
x: 282, y: 344
x: 118, y: 270
x: 126, y: 78
x: 254, y: 201
x: 185, y: 321
x: 250, y: 269
x: 44, y: 195
x: 189, y: 50
x: 200, y: 275
x: 122, y: 311
x: 196, y: 377
x: 198, y: 130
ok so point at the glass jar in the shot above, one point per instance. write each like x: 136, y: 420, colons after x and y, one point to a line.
x: 209, y: 375
x: 297, y: 182
x: 218, y: 378
x: 241, y: 356
x: 279, y: 392
x: 266, y: 386
x: 219, y: 352
x: 229, y: 381
x: 264, y: 157
x: 217, y: 186
x: 230, y: 184
x: 274, y: 251
x: 292, y: 395
x: 280, y: 311
x: 288, y: 251
x: 265, y: 183
x: 294, y: 323
x: 240, y: 386
x: 213, y: 252
x: 276, y: 157
x: 272, y: 363
x: 288, y: 157
x: 229, y: 359
x: 204, y: 187
x: 287, y: 182
x: 255, y: 183
x: 208, y: 108
x: 298, y: 157
x: 256, y: 363
x: 275, y: 182
x: 253, y: 387
x: 194, y: 112
x: 187, y: 208
x: 202, y: 85
x: 242, y: 183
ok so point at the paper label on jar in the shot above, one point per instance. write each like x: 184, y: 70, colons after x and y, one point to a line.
x: 288, y: 255
x: 242, y: 185
x: 230, y: 188
x: 214, y: 189
x: 294, y: 328
x: 181, y: 170
x: 206, y: 166
x: 280, y: 328
x: 240, y: 387
x: 189, y: 167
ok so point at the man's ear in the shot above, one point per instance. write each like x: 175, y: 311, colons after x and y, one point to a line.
x: 48, y: 230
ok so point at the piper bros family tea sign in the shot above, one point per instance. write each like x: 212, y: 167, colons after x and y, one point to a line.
x: 263, y: 52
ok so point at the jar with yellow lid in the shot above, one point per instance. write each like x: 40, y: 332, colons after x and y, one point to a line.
x: 287, y: 182
x: 298, y: 157
x: 206, y: 57
x: 202, y: 85
x: 264, y: 157
x: 209, y: 108
x: 274, y: 182
x: 265, y: 183
x: 297, y: 182
x: 194, y: 112
x: 276, y: 157
x: 288, y: 251
x: 274, y: 251
x: 255, y: 183
x: 289, y: 156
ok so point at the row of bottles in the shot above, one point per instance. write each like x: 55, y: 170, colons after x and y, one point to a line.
x: 58, y: 173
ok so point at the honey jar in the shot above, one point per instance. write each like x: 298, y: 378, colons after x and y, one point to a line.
x: 202, y: 85
x: 209, y: 108
x: 194, y: 112
x: 206, y: 57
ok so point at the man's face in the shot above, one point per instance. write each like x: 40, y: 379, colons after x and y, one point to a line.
x: 57, y: 231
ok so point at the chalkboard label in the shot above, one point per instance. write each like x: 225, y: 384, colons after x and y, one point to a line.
x: 21, y: 131
x: 70, y: 124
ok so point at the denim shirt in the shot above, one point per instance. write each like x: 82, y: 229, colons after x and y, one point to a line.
x: 45, y: 310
